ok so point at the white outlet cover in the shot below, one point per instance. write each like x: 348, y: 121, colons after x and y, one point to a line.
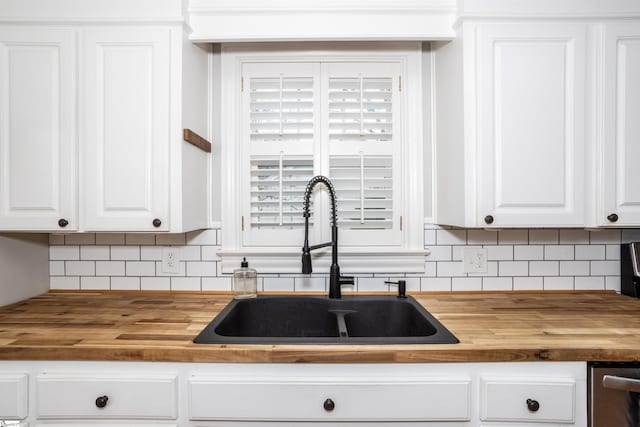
x: 171, y: 260
x: 475, y: 260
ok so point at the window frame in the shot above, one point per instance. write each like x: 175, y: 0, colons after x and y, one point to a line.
x: 409, y: 256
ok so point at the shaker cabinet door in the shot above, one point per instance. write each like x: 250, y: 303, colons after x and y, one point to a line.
x: 530, y: 124
x: 124, y: 128
x: 619, y: 189
x: 37, y: 129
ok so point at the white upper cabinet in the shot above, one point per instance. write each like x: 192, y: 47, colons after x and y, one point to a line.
x: 511, y: 136
x: 530, y: 124
x: 37, y: 129
x: 620, y: 150
x: 124, y: 122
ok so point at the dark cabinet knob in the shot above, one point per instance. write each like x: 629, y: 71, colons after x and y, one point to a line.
x: 101, y: 401
x: 63, y: 222
x: 488, y: 219
x: 533, y: 405
x: 329, y: 405
x: 612, y: 217
x: 156, y: 222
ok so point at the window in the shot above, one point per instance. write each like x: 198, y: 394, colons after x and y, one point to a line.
x: 344, y: 114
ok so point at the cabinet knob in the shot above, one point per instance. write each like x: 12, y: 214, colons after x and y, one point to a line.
x: 329, y: 405
x: 101, y: 401
x: 156, y: 222
x: 488, y: 219
x: 533, y: 405
x: 63, y: 222
x: 612, y: 217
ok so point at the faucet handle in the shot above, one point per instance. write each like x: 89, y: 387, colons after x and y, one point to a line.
x: 402, y: 287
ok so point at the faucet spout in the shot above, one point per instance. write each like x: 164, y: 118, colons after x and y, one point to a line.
x: 335, y: 279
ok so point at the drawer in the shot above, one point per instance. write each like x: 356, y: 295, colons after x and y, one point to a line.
x: 313, y: 400
x: 106, y: 396
x: 13, y: 396
x: 506, y: 400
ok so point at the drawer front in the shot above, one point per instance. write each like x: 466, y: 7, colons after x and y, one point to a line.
x: 13, y: 396
x: 415, y: 401
x: 112, y: 396
x: 506, y: 400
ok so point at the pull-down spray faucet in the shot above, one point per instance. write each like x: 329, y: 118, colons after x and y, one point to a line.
x: 335, y: 279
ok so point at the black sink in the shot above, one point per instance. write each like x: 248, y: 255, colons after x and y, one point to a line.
x: 298, y: 319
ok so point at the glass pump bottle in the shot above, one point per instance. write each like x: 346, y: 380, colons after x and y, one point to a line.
x: 245, y: 281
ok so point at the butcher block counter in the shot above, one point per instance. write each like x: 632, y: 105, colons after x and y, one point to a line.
x: 491, y: 327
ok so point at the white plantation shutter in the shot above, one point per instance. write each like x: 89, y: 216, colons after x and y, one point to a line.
x: 280, y: 137
x: 362, y: 107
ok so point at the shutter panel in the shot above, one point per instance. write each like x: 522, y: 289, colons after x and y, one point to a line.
x: 362, y: 102
x: 280, y: 111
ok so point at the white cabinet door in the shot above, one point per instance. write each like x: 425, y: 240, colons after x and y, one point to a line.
x: 530, y: 123
x: 124, y: 121
x: 37, y: 129
x: 619, y: 187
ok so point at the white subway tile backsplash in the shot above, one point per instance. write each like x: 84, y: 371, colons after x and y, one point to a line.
x: 202, y: 268
x: 528, y: 252
x: 451, y: 237
x: 513, y: 237
x: 110, y: 268
x: 573, y: 237
x: 513, y: 268
x: 528, y: 283
x: 185, y: 284
x: 95, y: 283
x: 482, y: 237
x: 559, y: 252
x: 310, y: 284
x: 558, y: 283
x: 500, y: 253
x: 216, y: 283
x: 64, y: 253
x: 109, y: 238
x: 94, y: 252
x: 140, y: 239
x: 64, y: 282
x: 605, y: 268
x: 543, y: 237
x: 574, y: 268
x: 544, y: 268
x: 589, y: 283
x: 125, y: 253
x: 125, y: 283
x: 518, y: 259
x: 80, y: 268
x: 497, y: 283
x: 155, y: 283
x: 140, y: 268
x: 466, y: 284
x: 590, y: 252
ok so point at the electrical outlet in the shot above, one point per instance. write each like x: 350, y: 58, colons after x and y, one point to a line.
x: 475, y: 260
x: 170, y: 260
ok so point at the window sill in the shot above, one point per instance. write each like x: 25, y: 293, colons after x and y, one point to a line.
x: 351, y: 260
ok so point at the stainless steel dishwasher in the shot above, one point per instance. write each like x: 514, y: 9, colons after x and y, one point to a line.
x: 614, y: 394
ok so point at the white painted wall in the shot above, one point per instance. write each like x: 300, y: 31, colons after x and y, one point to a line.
x: 24, y: 267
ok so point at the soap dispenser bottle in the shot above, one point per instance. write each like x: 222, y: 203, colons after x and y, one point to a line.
x: 245, y: 281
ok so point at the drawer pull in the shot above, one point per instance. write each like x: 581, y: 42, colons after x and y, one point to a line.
x: 329, y: 405
x: 101, y: 401
x: 533, y: 405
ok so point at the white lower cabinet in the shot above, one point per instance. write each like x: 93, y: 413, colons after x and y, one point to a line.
x: 138, y: 394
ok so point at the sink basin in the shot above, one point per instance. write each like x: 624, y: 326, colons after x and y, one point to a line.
x: 301, y: 319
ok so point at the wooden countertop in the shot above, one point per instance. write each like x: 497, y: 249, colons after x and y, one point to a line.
x: 160, y: 327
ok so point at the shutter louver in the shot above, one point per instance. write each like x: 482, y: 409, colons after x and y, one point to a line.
x: 277, y: 191
x: 364, y: 188
x: 281, y: 109
x: 360, y: 109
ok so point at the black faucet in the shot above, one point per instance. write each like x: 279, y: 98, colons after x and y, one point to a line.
x: 335, y: 279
